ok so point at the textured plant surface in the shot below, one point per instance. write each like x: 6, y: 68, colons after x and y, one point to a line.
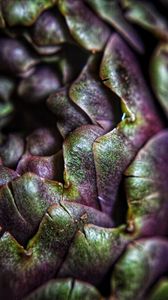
x: 83, y: 150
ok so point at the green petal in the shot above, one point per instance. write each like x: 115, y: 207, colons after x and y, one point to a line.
x: 88, y: 30
x: 92, y: 252
x: 92, y: 97
x: 6, y: 88
x: 159, y: 75
x: 65, y: 289
x: 144, y: 262
x: 23, y: 12
x: 146, y: 16
x: 120, y: 72
x: 24, y: 202
x: 79, y: 173
x: 160, y: 290
x: 110, y: 12
x: 41, y: 260
x: 146, y: 187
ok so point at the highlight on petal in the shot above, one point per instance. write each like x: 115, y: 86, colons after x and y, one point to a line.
x: 23, y: 12
x: 65, y: 289
x: 2, y: 21
x: 146, y: 16
x: 16, y: 58
x: 159, y: 75
x: 6, y: 88
x: 6, y: 175
x: 85, y: 27
x: 111, y: 12
x: 6, y: 111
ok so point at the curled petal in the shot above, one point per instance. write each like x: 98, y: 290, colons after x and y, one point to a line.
x: 23, y: 203
x: 59, y: 235
x: 92, y: 97
x: 69, y: 116
x: 44, y: 166
x: 146, y: 187
x: 121, y: 73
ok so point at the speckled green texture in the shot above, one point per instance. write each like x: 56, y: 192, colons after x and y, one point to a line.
x: 68, y: 225
x: 92, y: 251
x: 88, y: 93
x: 146, y: 186
x: 79, y: 169
x: 124, y: 78
x: 42, y: 256
x: 47, y: 250
x: 20, y: 217
x: 139, y: 267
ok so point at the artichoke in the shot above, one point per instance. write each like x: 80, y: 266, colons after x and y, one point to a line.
x: 83, y: 150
